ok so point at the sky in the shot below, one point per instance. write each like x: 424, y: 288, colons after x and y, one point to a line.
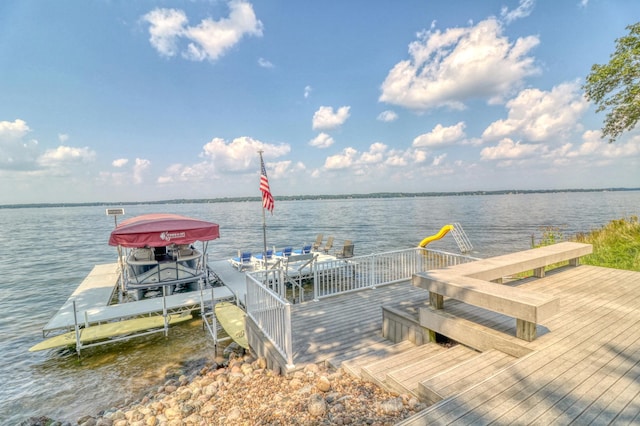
x: 113, y: 100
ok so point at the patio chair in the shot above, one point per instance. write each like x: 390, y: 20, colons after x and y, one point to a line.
x: 306, y: 249
x: 242, y: 261
x: 316, y: 245
x: 264, y: 258
x: 347, y: 250
x: 285, y: 253
x: 329, y: 245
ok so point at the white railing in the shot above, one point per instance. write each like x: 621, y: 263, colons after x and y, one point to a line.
x: 266, y: 290
x: 269, y: 311
x: 346, y: 275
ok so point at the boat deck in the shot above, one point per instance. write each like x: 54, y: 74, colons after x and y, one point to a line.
x: 584, y: 367
x: 93, y: 295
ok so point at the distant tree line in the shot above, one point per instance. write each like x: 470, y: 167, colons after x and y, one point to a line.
x: 372, y: 195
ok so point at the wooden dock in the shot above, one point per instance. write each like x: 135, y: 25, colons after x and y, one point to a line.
x: 583, y: 367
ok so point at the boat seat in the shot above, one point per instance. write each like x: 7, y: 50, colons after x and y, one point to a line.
x: 143, y: 254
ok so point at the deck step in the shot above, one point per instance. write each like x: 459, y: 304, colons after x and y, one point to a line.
x: 373, y: 343
x: 459, y: 377
x: 376, y: 372
x: 353, y: 361
x: 406, y: 379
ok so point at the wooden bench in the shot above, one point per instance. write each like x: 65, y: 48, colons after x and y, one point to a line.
x: 470, y: 283
x: 537, y: 259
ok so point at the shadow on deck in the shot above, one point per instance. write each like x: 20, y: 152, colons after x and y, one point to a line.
x: 582, y: 367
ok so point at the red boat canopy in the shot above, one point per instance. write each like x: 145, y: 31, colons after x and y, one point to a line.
x: 159, y: 230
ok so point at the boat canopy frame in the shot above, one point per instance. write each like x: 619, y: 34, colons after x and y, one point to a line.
x: 160, y: 230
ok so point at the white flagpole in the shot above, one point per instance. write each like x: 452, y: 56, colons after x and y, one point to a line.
x: 264, y: 220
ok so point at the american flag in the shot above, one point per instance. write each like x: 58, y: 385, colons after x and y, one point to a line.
x: 267, y: 198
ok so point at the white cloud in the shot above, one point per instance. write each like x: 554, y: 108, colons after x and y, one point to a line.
x: 325, y: 119
x: 524, y: 9
x: 594, y: 146
x: 378, y: 155
x: 222, y: 157
x: 441, y: 136
x: 120, y: 162
x: 387, y: 116
x: 167, y: 25
x: 375, y: 154
x: 341, y: 161
x: 208, y: 40
x: 438, y: 160
x: 537, y: 116
x: 62, y: 137
x: 396, y: 160
x: 307, y: 91
x: 283, y: 169
x: 448, y: 68
x: 323, y: 140
x: 15, y: 152
x: 507, y: 149
x: 264, y: 63
x: 139, y: 168
x: 13, y: 130
x: 65, y: 155
x: 184, y: 173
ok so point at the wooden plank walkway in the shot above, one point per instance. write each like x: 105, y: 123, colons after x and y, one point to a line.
x: 336, y: 325
x: 584, y: 370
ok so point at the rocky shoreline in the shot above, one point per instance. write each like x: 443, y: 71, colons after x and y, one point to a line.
x: 240, y: 390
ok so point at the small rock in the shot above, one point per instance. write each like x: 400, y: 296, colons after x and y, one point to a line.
x: 261, y: 363
x: 246, y: 369
x: 184, y: 395
x: 392, y: 406
x: 311, y: 368
x: 87, y: 421
x: 317, y: 406
x: 234, y: 414
x: 323, y: 384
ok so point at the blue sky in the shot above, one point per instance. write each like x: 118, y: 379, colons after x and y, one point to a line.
x: 139, y: 101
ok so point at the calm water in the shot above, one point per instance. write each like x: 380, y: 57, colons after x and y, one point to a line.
x: 47, y: 252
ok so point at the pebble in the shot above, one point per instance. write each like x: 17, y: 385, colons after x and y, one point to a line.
x: 245, y: 391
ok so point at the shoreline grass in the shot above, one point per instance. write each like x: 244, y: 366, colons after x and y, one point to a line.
x: 615, y: 245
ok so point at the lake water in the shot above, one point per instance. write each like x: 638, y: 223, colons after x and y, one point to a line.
x: 46, y: 253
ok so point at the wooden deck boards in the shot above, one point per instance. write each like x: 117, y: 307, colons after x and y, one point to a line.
x: 585, y: 369
x: 325, y: 329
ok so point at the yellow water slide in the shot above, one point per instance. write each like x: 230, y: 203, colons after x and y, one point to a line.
x: 441, y: 233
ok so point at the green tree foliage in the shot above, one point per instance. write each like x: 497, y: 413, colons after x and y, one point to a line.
x: 615, y: 86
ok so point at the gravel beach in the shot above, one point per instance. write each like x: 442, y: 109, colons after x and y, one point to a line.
x: 240, y: 390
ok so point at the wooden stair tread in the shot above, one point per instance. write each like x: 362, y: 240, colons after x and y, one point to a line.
x: 463, y: 375
x: 406, y: 379
x: 381, y: 352
x: 377, y: 371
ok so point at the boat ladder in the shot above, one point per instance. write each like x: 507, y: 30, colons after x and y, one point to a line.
x: 461, y: 238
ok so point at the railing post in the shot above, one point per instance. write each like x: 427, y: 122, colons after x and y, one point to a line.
x: 372, y: 276
x: 288, y: 338
x: 316, y: 279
